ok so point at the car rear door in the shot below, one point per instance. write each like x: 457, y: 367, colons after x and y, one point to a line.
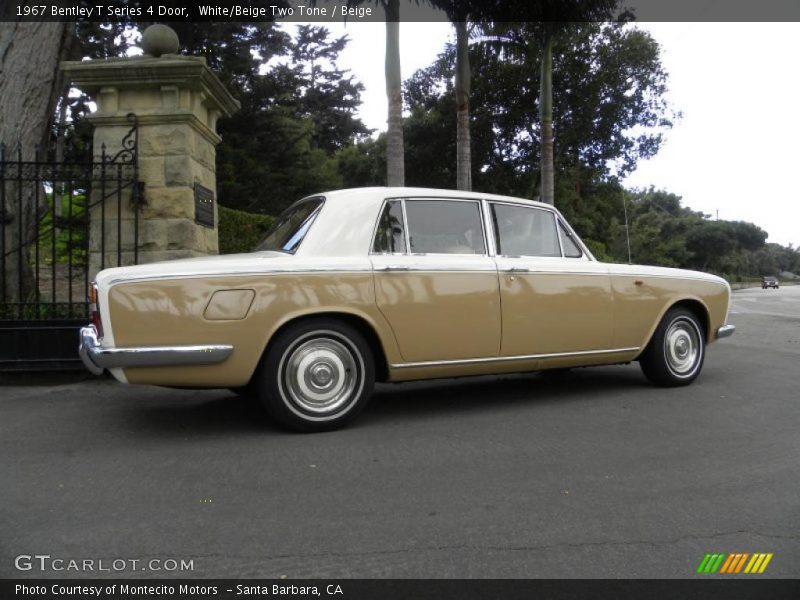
x: 434, y: 279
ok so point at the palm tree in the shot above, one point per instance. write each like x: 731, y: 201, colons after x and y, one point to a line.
x: 547, y: 164
x: 462, y: 90
x: 395, y: 163
x: 552, y: 19
x: 458, y: 12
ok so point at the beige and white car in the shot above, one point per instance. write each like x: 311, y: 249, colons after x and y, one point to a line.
x: 396, y: 284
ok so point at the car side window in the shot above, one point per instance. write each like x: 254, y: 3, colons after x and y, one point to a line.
x: 568, y: 243
x: 524, y: 231
x: 445, y: 227
x: 289, y: 229
x: 390, y: 235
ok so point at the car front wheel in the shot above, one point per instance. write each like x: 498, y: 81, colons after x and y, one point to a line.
x: 316, y: 376
x: 676, y: 351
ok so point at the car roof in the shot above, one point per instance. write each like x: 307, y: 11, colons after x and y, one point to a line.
x: 405, y: 192
x: 346, y: 223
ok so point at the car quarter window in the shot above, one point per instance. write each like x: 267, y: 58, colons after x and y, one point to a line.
x: 444, y: 227
x: 525, y: 231
x: 390, y: 235
x: 568, y: 243
x: 289, y: 229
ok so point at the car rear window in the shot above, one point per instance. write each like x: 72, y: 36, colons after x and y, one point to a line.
x: 291, y: 226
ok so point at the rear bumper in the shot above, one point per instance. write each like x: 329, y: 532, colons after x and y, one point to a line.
x: 96, y: 358
x: 725, y: 331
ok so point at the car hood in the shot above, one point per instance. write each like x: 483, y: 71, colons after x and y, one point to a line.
x: 252, y: 263
x: 648, y: 271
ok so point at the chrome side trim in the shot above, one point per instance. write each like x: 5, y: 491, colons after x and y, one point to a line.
x: 491, y: 359
x: 350, y: 271
x: 96, y: 358
x: 725, y: 331
x: 453, y: 270
x: 248, y: 273
x: 565, y: 272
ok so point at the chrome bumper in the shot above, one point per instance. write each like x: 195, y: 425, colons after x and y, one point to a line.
x: 725, y: 331
x: 96, y: 358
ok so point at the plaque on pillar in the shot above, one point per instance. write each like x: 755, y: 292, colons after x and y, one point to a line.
x: 203, y: 206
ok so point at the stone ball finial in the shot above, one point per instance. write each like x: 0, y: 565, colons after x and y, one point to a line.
x: 160, y: 39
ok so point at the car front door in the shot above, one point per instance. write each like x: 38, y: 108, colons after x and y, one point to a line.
x: 554, y: 301
x: 435, y: 282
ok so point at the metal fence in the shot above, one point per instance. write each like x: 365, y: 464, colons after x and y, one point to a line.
x: 60, y: 222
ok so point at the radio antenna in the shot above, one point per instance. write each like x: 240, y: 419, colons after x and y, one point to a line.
x: 627, y: 232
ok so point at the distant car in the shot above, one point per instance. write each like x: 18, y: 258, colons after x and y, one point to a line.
x: 396, y: 284
x: 769, y: 282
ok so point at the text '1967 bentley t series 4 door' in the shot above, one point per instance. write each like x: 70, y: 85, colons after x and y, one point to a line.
x: 395, y: 284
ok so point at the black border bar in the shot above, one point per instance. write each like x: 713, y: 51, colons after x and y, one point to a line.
x: 402, y: 589
x: 322, y: 11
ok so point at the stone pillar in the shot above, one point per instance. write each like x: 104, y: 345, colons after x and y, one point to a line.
x: 177, y: 101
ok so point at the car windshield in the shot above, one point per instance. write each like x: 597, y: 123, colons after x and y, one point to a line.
x: 291, y: 226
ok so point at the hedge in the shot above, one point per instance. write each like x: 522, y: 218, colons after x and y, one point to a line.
x: 241, y: 231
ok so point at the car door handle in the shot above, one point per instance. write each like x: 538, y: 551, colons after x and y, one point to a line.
x: 518, y: 270
x: 396, y: 268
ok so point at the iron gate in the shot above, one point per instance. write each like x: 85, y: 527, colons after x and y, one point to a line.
x: 60, y: 222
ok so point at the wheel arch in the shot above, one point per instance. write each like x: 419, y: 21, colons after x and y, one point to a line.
x: 359, y: 322
x: 691, y: 303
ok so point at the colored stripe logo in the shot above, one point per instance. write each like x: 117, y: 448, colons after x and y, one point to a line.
x: 734, y: 563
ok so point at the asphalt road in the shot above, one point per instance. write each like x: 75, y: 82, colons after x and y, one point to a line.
x: 596, y: 474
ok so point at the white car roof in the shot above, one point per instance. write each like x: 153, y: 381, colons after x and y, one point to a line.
x: 382, y: 192
x: 345, y: 225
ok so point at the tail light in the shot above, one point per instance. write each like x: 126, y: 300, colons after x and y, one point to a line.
x: 94, y: 308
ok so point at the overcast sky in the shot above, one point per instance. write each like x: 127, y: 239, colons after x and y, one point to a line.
x: 737, y: 84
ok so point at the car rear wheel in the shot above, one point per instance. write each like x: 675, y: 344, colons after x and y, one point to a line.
x: 316, y: 376
x: 676, y: 351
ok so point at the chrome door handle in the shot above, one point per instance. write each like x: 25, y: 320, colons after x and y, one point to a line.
x: 395, y: 268
x: 518, y: 270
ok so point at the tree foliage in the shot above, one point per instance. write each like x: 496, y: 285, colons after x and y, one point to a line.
x: 665, y: 233
x: 609, y: 107
x: 298, y: 109
x: 298, y: 133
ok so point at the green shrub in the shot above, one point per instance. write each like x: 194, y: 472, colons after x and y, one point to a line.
x: 241, y: 231
x: 599, y: 250
x: 71, y: 233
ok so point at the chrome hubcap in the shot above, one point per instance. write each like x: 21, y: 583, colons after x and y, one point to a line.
x: 682, y: 347
x: 320, y: 375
